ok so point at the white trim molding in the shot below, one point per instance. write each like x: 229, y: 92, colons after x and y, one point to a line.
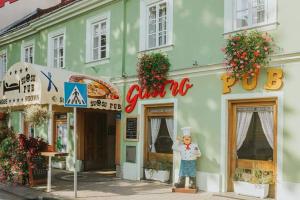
x: 51, y: 36
x: 224, y: 132
x: 26, y: 44
x: 143, y: 38
x: 104, y: 17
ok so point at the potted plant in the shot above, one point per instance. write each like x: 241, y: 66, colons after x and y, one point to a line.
x: 252, y: 182
x: 36, y: 115
x: 158, y: 170
x: 246, y: 53
x: 152, y: 71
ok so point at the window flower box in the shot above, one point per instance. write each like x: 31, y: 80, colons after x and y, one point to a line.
x: 252, y: 182
x: 157, y: 175
x: 158, y: 170
x: 250, y: 189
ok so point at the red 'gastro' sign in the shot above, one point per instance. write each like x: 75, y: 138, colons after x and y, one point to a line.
x: 135, y: 92
x: 2, y: 2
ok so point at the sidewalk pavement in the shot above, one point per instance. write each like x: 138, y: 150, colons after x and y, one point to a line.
x: 91, y: 186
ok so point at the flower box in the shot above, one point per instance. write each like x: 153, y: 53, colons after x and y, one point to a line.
x: 157, y: 175
x: 250, y: 189
x: 59, y: 164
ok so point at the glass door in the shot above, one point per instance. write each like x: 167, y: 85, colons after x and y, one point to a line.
x: 252, y: 138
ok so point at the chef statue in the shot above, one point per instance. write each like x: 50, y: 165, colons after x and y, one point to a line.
x: 189, y: 152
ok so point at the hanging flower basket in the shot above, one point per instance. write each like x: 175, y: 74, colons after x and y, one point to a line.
x: 36, y: 115
x: 246, y: 53
x: 152, y: 71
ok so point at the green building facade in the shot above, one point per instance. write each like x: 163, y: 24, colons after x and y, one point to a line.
x: 106, y: 38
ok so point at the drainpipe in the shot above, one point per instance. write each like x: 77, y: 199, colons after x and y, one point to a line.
x: 124, y: 75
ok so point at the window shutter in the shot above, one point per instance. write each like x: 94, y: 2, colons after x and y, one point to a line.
x: 228, y: 15
x: 272, y: 11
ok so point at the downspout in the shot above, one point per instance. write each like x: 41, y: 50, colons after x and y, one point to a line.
x: 123, y: 75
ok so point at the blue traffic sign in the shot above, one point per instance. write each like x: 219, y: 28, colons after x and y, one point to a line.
x: 75, y: 95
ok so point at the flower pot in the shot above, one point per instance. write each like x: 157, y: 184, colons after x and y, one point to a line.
x: 157, y: 175
x: 59, y: 164
x: 249, y: 189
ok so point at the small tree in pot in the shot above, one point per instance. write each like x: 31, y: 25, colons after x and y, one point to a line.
x: 158, y: 170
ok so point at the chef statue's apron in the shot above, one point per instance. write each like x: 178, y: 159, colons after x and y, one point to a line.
x: 189, y: 152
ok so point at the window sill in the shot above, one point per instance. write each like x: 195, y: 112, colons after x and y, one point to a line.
x: 264, y: 27
x: 164, y: 48
x: 97, y: 62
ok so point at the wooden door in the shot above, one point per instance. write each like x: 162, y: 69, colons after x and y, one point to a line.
x: 95, y: 141
x: 255, y: 152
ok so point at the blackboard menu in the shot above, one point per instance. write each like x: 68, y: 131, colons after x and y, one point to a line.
x: 131, y: 128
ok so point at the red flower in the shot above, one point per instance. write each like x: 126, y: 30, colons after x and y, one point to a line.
x: 256, y: 53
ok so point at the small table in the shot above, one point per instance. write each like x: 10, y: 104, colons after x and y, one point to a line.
x: 50, y: 155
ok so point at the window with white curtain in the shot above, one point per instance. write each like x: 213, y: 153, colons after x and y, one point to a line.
x: 160, y: 133
x: 255, y: 137
x: 244, y: 14
x: 3, y: 64
x: 156, y: 24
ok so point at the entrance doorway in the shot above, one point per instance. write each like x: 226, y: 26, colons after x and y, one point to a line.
x: 252, y: 138
x: 99, y: 141
x: 159, y: 134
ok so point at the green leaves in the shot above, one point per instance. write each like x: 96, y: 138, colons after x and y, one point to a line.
x: 153, y: 70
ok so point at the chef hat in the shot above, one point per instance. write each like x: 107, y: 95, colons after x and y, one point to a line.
x: 186, y: 131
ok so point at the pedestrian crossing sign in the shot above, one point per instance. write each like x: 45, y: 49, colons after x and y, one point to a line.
x: 75, y: 95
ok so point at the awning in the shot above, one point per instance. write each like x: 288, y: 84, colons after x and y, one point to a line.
x: 28, y: 84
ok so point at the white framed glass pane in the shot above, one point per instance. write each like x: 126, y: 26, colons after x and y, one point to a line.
x: 95, y: 54
x: 162, y: 10
x: 258, y: 11
x: 242, y: 19
x: 61, y: 62
x: 152, y: 40
x: 55, y: 53
x: 55, y: 60
x: 96, y: 42
x: 103, y: 40
x: 103, y: 28
x: 61, y: 42
x: 55, y: 43
x: 96, y: 29
x: 242, y: 5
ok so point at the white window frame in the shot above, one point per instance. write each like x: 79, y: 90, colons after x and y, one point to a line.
x: 51, y: 37
x: 144, y: 6
x: 26, y: 45
x: 230, y: 17
x: 4, y: 52
x: 89, y: 38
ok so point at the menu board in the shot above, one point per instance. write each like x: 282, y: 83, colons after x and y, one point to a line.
x: 131, y: 128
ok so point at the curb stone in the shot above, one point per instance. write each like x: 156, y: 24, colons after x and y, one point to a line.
x: 29, y: 194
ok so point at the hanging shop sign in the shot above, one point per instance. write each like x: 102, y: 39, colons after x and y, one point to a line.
x: 176, y: 88
x: 2, y: 2
x: 274, y: 81
x: 27, y: 84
